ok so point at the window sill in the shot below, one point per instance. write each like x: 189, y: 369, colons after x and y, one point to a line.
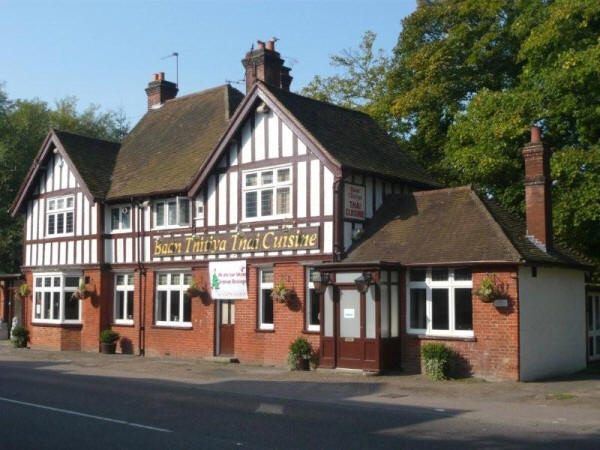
x: 174, y: 327
x: 57, y: 324
x: 123, y: 324
x: 441, y: 337
x: 265, y: 330
x: 305, y: 331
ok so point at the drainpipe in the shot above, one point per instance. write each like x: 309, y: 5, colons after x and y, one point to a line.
x: 140, y: 257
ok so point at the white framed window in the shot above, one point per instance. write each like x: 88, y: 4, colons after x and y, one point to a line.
x: 313, y: 304
x: 120, y: 218
x: 59, y: 216
x: 267, y: 193
x: 173, y: 306
x: 123, y: 305
x: 440, y: 301
x: 53, y: 300
x: 173, y: 212
x: 265, y: 299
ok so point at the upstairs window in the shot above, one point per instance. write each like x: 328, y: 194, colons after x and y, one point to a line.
x: 268, y: 193
x: 174, y: 212
x: 120, y: 218
x: 60, y: 216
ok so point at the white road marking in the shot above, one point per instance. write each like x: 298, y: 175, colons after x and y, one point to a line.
x: 80, y: 414
x: 269, y: 408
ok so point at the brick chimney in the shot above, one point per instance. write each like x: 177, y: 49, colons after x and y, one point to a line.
x: 266, y: 65
x: 159, y: 90
x: 538, y: 202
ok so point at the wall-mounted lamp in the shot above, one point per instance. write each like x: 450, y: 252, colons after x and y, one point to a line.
x: 363, y: 282
x: 320, y: 281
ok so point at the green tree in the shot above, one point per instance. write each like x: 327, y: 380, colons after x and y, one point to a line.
x: 23, y: 126
x: 468, y: 78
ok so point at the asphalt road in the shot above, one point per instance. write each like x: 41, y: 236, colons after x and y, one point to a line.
x: 47, y: 409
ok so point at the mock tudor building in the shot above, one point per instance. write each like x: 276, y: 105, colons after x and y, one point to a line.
x: 231, y: 224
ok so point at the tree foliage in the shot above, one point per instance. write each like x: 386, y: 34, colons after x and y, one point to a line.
x: 467, y: 79
x: 23, y: 126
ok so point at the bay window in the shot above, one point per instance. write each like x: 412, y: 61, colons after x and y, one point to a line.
x: 173, y: 305
x: 440, y: 302
x: 267, y: 193
x: 265, y: 299
x: 123, y: 306
x: 59, y: 216
x: 53, y: 299
x: 173, y: 212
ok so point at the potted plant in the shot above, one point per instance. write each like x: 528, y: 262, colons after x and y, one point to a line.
x: 108, y: 341
x: 281, y: 293
x: 300, y: 354
x: 436, y: 360
x: 194, y: 289
x: 81, y: 292
x: 23, y: 291
x: 489, y: 290
x: 20, y: 337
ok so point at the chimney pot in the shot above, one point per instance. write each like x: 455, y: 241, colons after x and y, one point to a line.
x: 261, y: 45
x: 536, y: 135
x: 270, y: 45
x: 154, y: 77
x: 266, y: 66
x: 161, y: 75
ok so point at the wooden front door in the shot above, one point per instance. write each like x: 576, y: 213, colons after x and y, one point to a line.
x: 351, y: 329
x: 593, y: 325
x: 227, y: 328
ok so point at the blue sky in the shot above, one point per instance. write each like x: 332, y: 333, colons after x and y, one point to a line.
x: 104, y: 52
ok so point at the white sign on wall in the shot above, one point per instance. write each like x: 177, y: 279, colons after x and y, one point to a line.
x: 354, y: 202
x: 228, y: 280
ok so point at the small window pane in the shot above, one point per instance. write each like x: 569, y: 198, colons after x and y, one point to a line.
x: 187, y: 309
x: 417, y: 308
x: 283, y: 175
x: 71, y: 307
x: 51, y: 219
x: 56, y: 305
x: 266, y: 203
x: 462, y: 274
x: 283, y: 201
x: 51, y: 205
x: 267, y: 276
x: 315, y: 307
x: 47, y: 305
x: 267, y: 306
x: 72, y: 281
x: 160, y: 214
x: 187, y: 279
x: 47, y: 282
x: 121, y: 280
x: 251, y: 206
x: 172, y: 213
x: 126, y: 217
x: 175, y: 313
x: 114, y: 219
x: 417, y: 274
x: 463, y: 309
x: 161, y: 306
x: 120, y: 306
x: 70, y: 202
x: 69, y: 228
x: 60, y: 223
x: 163, y: 279
x: 266, y: 178
x: 184, y: 211
x: 439, y: 274
x: 439, y: 306
x: 60, y: 203
x: 130, y: 280
x: 38, y: 282
x: 56, y: 281
x: 38, y: 305
x: 175, y: 278
x: 251, y: 179
x: 129, y: 305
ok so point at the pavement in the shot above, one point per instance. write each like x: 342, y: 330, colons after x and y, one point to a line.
x: 69, y: 399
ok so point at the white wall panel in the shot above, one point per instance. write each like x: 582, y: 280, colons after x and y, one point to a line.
x: 147, y: 253
x: 94, y: 219
x: 71, y: 180
x: 40, y: 254
x: 301, y: 148
x: 35, y: 220
x: 315, y: 187
x: 78, y: 252
x: 108, y: 251
x: 378, y: 194
x: 29, y: 220
x: 28, y: 255
x: 49, y: 172
x: 212, y: 201
x: 94, y: 251
x: 70, y: 252
x: 369, y: 197
x: 233, y: 154
x: 287, y: 141
x: 301, y: 188
x: 56, y: 175
x: 259, y: 137
x: 62, y: 258
x: 42, y: 219
x: 233, y: 197
x: 64, y: 181
x: 327, y: 237
x: 86, y: 251
x: 86, y: 215
x: 327, y: 192
x: 273, y: 121
x: 34, y: 253
x: 129, y: 250
x: 79, y: 208
x: 54, y: 259
x: 246, y: 143
x: 120, y: 256
x: 222, y: 199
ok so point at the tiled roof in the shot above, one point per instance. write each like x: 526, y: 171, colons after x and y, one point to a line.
x: 450, y: 226
x: 88, y: 154
x: 166, y: 148
x: 353, y: 138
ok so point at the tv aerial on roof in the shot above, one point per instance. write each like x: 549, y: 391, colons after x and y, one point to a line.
x: 176, y: 55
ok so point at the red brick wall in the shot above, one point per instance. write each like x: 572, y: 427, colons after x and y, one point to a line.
x: 494, y: 351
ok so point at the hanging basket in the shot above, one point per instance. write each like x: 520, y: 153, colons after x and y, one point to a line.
x: 490, y: 289
x: 282, y: 294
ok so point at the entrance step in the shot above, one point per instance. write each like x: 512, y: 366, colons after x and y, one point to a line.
x: 222, y: 359
x: 345, y: 370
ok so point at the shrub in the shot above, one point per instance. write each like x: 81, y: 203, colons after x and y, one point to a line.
x: 299, y: 349
x: 436, y: 359
x: 108, y: 336
x: 20, y: 337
